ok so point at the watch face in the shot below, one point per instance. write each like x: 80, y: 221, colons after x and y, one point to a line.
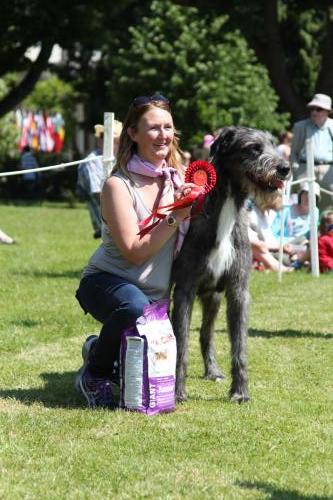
x: 171, y: 220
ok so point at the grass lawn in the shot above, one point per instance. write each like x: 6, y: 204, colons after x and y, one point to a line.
x: 279, y: 446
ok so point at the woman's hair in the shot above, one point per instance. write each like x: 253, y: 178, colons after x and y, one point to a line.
x: 285, y: 136
x: 325, y: 219
x: 127, y: 147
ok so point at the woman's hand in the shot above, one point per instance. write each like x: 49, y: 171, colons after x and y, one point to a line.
x: 182, y: 192
x: 288, y: 249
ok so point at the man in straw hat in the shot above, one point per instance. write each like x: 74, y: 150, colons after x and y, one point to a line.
x: 91, y: 175
x: 319, y: 127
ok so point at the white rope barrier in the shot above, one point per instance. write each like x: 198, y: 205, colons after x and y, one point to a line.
x: 57, y: 166
x: 51, y: 167
x: 326, y: 191
x: 107, y: 157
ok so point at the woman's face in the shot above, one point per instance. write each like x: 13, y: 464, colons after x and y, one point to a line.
x: 304, y: 200
x: 154, y: 135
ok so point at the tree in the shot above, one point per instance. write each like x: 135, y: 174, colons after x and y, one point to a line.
x: 292, y: 39
x: 51, y: 95
x: 211, y: 76
x: 80, y: 27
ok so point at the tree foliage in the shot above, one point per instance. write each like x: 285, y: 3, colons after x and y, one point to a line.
x: 8, y: 130
x: 211, y: 76
x: 51, y: 95
x: 79, y: 27
x: 292, y: 39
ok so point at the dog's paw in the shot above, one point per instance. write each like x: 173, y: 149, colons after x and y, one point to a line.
x: 214, y: 375
x: 181, y: 396
x: 239, y: 397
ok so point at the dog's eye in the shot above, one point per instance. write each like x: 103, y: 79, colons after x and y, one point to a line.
x: 257, y: 148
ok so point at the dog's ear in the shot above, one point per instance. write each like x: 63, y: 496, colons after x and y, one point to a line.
x: 224, y: 141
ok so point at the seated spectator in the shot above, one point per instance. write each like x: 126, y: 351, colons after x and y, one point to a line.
x: 284, y: 147
x: 265, y: 246
x: 325, y: 242
x: 297, y: 224
x: 262, y: 255
x: 5, y: 239
x: 202, y: 152
x: 186, y: 158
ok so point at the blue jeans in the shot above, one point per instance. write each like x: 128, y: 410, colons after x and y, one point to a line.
x: 117, y: 304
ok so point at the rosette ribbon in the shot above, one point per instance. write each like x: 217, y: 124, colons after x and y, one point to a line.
x: 203, y: 175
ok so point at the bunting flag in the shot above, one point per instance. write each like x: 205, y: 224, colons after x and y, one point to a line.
x: 41, y: 131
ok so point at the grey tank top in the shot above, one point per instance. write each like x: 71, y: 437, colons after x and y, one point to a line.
x: 153, y: 276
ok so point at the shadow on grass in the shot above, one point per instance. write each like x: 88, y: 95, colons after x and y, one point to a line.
x: 58, y: 392
x: 52, y: 274
x: 279, y: 493
x: 27, y: 323
x: 253, y: 332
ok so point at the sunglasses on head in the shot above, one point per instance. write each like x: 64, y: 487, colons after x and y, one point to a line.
x: 144, y: 99
x: 317, y: 109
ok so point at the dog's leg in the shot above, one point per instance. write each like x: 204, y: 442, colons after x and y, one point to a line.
x: 210, y: 306
x: 237, y: 311
x: 181, y: 318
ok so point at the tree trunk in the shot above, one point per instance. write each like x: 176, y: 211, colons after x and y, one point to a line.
x: 325, y: 79
x: 272, y: 55
x: 18, y: 93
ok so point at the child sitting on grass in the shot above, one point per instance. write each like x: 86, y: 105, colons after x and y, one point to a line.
x: 325, y: 242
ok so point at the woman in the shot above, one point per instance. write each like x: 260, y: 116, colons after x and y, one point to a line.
x: 296, y: 231
x: 128, y: 271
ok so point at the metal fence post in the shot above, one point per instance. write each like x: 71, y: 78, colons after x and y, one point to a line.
x: 312, y: 207
x: 108, y: 143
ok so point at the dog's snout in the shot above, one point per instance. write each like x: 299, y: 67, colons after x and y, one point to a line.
x: 283, y: 169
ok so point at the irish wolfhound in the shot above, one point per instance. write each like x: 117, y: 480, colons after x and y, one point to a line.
x: 216, y: 254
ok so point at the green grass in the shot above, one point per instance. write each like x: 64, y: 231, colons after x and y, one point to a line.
x: 279, y: 446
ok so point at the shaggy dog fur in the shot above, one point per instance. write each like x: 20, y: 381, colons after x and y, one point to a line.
x: 216, y: 254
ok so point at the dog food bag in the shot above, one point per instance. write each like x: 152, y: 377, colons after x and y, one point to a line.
x: 148, y: 362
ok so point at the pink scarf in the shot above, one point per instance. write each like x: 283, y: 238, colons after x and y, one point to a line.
x: 138, y: 166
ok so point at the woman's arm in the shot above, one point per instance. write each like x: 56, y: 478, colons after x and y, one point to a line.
x: 121, y: 218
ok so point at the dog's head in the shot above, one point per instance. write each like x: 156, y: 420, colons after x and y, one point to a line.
x: 249, y: 159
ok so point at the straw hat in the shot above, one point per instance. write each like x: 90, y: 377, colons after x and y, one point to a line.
x: 99, y: 130
x: 117, y: 128
x: 321, y: 101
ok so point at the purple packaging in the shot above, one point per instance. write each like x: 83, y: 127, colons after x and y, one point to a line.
x: 148, y: 362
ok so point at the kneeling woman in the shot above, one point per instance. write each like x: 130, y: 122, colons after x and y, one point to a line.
x: 127, y: 272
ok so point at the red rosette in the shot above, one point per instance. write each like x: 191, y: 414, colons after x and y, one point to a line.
x: 202, y: 173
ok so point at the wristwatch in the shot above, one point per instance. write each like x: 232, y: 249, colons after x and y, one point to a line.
x: 171, y: 220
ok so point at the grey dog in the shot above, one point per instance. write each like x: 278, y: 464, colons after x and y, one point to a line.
x: 216, y: 254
